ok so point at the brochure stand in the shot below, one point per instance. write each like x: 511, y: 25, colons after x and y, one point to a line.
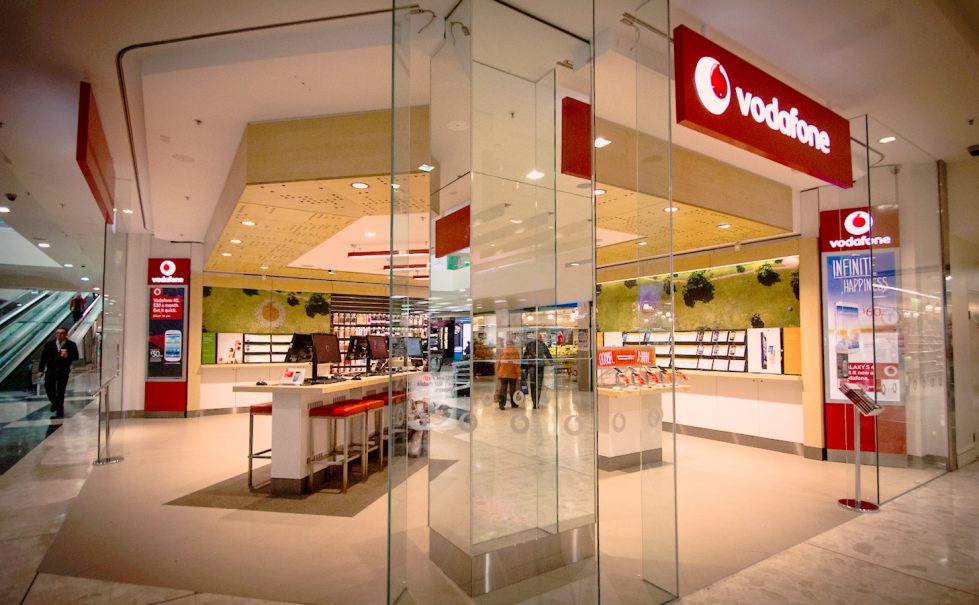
x: 862, y: 406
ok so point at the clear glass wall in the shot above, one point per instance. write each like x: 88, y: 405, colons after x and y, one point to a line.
x: 511, y: 310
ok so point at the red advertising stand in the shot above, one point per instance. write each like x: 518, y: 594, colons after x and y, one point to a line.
x: 166, y: 364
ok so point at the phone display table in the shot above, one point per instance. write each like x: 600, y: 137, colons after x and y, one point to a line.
x: 630, y: 425
x: 290, y: 423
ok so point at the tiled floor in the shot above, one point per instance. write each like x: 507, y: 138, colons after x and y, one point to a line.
x: 122, y: 544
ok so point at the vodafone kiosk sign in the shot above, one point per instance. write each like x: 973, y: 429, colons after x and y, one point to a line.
x: 724, y: 96
x: 168, y: 271
x: 855, y: 229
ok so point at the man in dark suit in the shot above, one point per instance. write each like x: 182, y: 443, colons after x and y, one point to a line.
x: 56, y: 359
x: 535, y: 356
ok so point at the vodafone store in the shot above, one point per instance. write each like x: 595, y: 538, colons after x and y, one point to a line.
x: 496, y: 300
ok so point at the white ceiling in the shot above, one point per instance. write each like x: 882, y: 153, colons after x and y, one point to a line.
x: 912, y: 65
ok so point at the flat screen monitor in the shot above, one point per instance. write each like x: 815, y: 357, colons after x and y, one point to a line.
x: 398, y: 347
x: 301, y: 349
x: 327, y: 347
x: 414, y: 346
x: 378, y: 346
x: 357, y: 348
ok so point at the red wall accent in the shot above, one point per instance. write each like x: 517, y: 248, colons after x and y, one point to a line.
x: 165, y: 397
x: 891, y: 426
x: 452, y: 232
x: 92, y: 153
x: 576, y: 138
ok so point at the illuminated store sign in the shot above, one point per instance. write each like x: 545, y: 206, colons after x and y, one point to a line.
x: 724, y: 96
x: 168, y: 271
x: 857, y: 229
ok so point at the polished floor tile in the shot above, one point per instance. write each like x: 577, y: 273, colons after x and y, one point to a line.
x: 807, y: 574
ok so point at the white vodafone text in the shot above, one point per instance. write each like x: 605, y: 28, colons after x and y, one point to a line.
x: 786, y: 122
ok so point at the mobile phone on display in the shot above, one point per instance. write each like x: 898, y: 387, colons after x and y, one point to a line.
x: 172, y: 346
x: 847, y: 316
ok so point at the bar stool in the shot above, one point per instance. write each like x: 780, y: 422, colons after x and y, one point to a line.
x: 259, y: 409
x: 345, y: 412
x: 382, y: 434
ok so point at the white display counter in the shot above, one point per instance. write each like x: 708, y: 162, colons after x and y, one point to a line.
x: 218, y: 381
x: 727, y: 406
x: 290, y: 423
x: 630, y: 425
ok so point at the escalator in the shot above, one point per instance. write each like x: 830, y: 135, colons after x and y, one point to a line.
x: 25, y: 328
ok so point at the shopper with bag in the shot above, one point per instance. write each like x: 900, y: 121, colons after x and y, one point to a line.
x: 536, y: 356
x: 508, y: 373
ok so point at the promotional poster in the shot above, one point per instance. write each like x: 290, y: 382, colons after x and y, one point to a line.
x: 861, y: 317
x: 166, y: 332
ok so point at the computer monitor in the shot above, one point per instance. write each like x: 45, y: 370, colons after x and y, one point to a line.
x: 327, y: 348
x: 357, y: 348
x: 413, y: 344
x: 398, y: 347
x: 301, y: 349
x: 378, y: 346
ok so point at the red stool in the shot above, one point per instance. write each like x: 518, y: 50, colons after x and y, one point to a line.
x: 383, y: 433
x: 259, y: 409
x: 343, y: 411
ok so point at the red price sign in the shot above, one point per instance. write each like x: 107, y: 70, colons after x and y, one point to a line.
x: 165, y: 307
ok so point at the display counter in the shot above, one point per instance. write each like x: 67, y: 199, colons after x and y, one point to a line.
x: 291, y: 447
x: 630, y: 425
x: 218, y: 380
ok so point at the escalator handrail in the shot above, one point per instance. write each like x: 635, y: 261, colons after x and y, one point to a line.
x: 13, y: 315
x: 84, y: 319
x: 29, y: 343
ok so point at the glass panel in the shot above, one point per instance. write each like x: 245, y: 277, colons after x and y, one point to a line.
x: 909, y: 319
x: 403, y: 237
x: 637, y: 457
x: 511, y: 310
x: 110, y: 342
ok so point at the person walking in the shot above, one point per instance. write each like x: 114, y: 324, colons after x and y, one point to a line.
x: 77, y: 306
x: 535, y: 356
x: 56, y: 359
x: 508, y: 372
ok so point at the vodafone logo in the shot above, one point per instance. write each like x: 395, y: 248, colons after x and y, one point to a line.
x: 858, y: 223
x: 157, y: 291
x: 167, y: 270
x: 168, y: 267
x: 714, y: 91
x: 712, y: 84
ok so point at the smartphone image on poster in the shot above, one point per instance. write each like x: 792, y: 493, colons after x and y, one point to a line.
x: 172, y: 346
x: 764, y: 352
x: 847, y: 322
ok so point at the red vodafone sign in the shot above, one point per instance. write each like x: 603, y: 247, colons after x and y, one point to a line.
x: 168, y: 271
x: 724, y: 96
x: 857, y: 229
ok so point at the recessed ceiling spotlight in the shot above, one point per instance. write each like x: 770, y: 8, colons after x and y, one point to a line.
x: 127, y: 211
x: 602, y: 142
x: 264, y: 267
x: 574, y: 264
x: 724, y: 226
x: 426, y: 168
x: 500, y: 300
x: 248, y: 223
x: 643, y: 243
x: 535, y: 174
x: 331, y: 271
x: 225, y: 254
x: 598, y: 192
x: 96, y: 289
x: 235, y: 241
x: 85, y: 279
x: 671, y: 209
x: 516, y: 221
x: 369, y: 234
x: 359, y: 185
x: 43, y: 245
x: 4, y: 210
x: 395, y: 186
x: 888, y: 139
x: 68, y: 265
